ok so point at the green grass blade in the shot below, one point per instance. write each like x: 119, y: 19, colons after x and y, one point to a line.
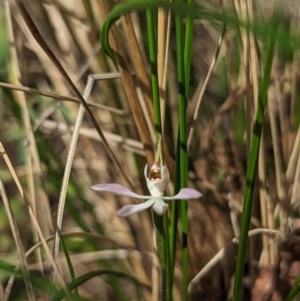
x: 295, y: 290
x: 183, y: 148
x: 177, y: 7
x: 40, y: 283
x: 253, y: 160
x: 159, y: 221
x: 173, y: 225
x: 154, y: 75
x: 85, y: 277
x: 188, y: 48
x: 70, y: 265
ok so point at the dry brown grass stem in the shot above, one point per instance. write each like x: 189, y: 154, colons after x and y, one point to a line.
x: 18, y: 243
x: 280, y: 176
x: 41, y: 208
x: 67, y: 234
x: 290, y: 171
x: 283, y: 126
x: 68, y: 166
x: 67, y: 171
x: 66, y: 11
x: 221, y: 253
x: 129, y: 86
x: 269, y: 253
x: 294, y: 85
x: 139, y: 67
x: 41, y: 41
x: 48, y: 126
x: 203, y: 89
x: 163, y: 40
x: 64, y: 98
x: 243, y: 14
x: 295, y: 197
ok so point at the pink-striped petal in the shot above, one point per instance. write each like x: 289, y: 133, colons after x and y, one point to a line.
x: 129, y: 209
x: 185, y: 194
x: 118, y: 190
x: 160, y: 207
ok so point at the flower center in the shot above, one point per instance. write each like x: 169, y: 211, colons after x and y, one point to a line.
x: 155, y: 172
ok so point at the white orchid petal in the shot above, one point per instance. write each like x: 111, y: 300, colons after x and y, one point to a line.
x: 145, y: 171
x: 130, y: 209
x: 185, y: 194
x: 165, y: 173
x: 160, y: 207
x: 157, y: 187
x: 118, y: 190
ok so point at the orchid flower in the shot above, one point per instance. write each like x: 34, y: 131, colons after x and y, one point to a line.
x: 157, y: 182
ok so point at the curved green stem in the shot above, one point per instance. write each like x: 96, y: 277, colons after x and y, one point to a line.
x: 180, y: 8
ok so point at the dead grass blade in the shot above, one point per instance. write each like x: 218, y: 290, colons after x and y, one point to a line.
x: 32, y: 217
x: 201, y: 94
x: 64, y: 98
x: 41, y: 209
x: 139, y: 67
x: 41, y: 41
x: 195, y: 281
x: 290, y: 171
x: 18, y: 242
x: 129, y: 86
x: 269, y: 253
x: 67, y: 171
x: 125, y: 143
x: 280, y: 177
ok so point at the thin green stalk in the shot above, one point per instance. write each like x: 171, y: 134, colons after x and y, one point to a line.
x: 167, y: 246
x: 162, y: 253
x: 90, y: 275
x: 175, y: 205
x: 253, y: 160
x: 183, y: 148
x: 69, y: 262
x: 188, y: 48
x: 183, y: 142
x: 154, y: 75
x: 174, y: 222
x: 160, y: 222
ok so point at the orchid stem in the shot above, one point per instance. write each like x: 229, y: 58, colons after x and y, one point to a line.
x: 158, y: 222
x: 161, y: 238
